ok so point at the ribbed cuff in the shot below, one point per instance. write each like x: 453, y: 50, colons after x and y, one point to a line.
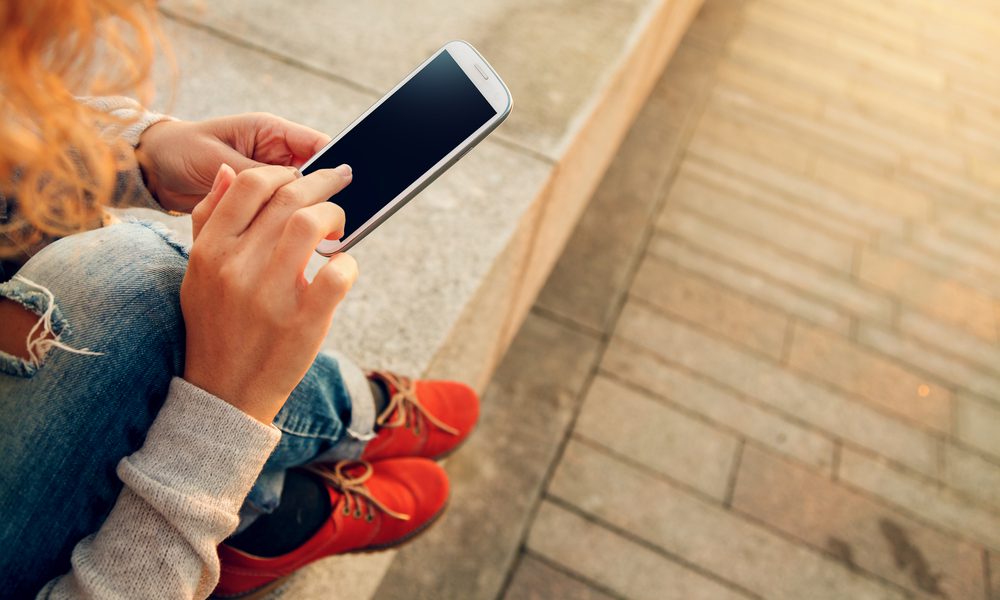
x: 130, y: 189
x: 200, y: 445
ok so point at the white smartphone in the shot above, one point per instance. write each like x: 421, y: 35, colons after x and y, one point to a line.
x: 426, y: 123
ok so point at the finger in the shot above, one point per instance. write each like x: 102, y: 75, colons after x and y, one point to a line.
x: 202, y: 211
x: 300, y: 142
x: 249, y: 192
x: 303, y: 231
x: 315, y: 187
x: 332, y: 282
x: 303, y: 142
x: 268, y: 138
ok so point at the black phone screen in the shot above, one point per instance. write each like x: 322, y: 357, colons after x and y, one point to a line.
x: 424, y: 120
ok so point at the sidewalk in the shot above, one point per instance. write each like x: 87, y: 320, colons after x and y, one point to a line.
x: 766, y: 365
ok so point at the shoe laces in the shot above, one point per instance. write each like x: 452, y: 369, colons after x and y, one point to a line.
x: 354, y: 489
x: 407, y: 406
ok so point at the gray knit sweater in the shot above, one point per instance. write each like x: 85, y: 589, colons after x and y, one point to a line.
x: 183, y: 488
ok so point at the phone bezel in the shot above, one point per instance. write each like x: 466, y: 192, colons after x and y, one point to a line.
x: 493, y: 90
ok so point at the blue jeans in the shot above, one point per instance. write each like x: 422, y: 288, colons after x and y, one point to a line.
x: 65, y: 424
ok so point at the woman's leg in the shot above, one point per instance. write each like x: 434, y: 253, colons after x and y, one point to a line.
x: 334, y: 392
x: 65, y: 423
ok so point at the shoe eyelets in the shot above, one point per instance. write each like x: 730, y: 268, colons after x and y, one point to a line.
x: 369, y: 518
x: 357, y: 513
x: 346, y: 510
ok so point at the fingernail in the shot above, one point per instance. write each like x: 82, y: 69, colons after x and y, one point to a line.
x: 344, y: 170
x: 293, y: 170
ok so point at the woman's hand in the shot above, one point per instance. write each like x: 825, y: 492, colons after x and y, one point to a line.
x: 179, y: 159
x: 254, y: 323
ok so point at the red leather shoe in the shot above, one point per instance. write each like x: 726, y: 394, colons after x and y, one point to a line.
x: 373, y: 507
x: 423, y: 418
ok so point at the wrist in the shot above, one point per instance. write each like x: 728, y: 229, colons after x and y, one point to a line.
x: 144, y: 156
x: 256, y: 403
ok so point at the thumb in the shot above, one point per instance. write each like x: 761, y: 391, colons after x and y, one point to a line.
x: 238, y: 162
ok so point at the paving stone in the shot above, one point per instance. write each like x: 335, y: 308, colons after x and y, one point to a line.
x: 535, y: 580
x: 965, y: 227
x: 829, y: 202
x: 616, y: 562
x: 970, y: 256
x: 843, y: 364
x: 907, y: 142
x: 590, y: 278
x: 652, y: 434
x: 939, y: 265
x: 925, y: 357
x: 702, y: 534
x: 859, y: 185
x: 758, y: 193
x: 499, y: 472
x: 945, y: 184
x: 757, y: 49
x: 754, y: 138
x: 792, y: 394
x: 836, y: 19
x: 921, y: 497
x: 845, y: 61
x: 689, y: 193
x: 748, y: 282
x: 839, y: 290
x: 768, y: 90
x: 855, y: 529
x: 926, y: 113
x: 950, y: 339
x: 713, y: 307
x: 756, y: 421
x: 977, y: 423
x: 798, y: 122
x: 936, y: 296
x: 973, y: 475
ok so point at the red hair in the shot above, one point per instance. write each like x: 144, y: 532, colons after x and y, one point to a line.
x: 53, y: 159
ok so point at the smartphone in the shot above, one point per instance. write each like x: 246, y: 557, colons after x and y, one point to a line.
x: 402, y: 143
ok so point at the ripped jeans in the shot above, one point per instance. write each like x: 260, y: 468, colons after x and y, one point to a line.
x: 66, y: 422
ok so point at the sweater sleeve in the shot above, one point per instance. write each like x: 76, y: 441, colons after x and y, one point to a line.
x: 182, y: 495
x: 130, y: 189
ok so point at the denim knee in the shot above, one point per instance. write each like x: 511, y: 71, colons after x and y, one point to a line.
x: 114, y: 283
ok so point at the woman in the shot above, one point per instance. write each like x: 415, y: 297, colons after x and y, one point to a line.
x: 155, y: 399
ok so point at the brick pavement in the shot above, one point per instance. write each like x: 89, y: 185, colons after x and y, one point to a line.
x: 796, y: 392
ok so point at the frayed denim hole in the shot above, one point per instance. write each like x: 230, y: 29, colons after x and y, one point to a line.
x: 35, y: 301
x: 162, y: 231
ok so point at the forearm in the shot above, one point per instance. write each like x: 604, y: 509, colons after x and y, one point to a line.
x: 183, y: 490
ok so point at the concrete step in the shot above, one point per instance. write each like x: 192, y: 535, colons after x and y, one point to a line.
x: 447, y: 282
